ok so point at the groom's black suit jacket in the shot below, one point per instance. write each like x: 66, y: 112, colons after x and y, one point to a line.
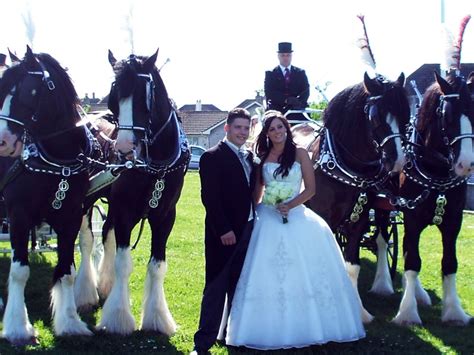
x: 227, y: 198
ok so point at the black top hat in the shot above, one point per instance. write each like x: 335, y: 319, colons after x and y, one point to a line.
x: 284, y: 47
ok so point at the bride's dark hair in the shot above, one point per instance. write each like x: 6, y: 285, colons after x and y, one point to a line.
x: 264, y: 144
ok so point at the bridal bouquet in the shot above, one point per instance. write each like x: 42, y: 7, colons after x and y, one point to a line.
x: 276, y: 192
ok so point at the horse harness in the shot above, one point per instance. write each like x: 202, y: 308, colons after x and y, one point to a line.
x: 35, y: 158
x: 414, y: 171
x: 147, y: 164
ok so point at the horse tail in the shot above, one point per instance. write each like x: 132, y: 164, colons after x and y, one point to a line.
x: 363, y: 43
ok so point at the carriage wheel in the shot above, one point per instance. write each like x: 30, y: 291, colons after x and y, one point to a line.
x: 392, y: 250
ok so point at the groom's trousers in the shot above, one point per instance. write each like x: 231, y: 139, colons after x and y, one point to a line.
x: 218, y: 285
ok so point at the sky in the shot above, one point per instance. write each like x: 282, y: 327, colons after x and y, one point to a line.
x: 219, y: 51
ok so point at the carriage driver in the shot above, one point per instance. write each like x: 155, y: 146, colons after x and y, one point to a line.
x: 286, y: 86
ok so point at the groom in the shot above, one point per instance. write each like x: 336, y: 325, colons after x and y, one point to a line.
x: 226, y: 193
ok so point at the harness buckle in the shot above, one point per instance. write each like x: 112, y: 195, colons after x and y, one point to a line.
x: 50, y: 85
x: 66, y: 171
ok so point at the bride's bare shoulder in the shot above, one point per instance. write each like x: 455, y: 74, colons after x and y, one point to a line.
x: 301, y: 154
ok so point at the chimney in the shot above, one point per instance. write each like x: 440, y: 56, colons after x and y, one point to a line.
x: 93, y: 95
x: 198, y: 105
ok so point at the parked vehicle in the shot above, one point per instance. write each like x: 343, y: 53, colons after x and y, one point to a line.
x: 196, y: 152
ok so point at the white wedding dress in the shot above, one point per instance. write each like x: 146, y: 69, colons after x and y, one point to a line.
x: 293, y: 290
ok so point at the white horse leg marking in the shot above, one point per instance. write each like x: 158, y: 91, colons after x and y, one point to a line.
x: 408, y: 310
x: 16, y: 325
x: 66, y: 321
x: 106, y: 266
x: 382, y: 282
x: 452, y: 311
x: 465, y: 163
x: 353, y: 272
x: 400, y: 162
x: 116, y: 314
x: 155, y: 314
x: 85, y: 287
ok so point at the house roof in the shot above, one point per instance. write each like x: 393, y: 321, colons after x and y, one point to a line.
x: 204, y: 107
x: 197, y: 122
x: 424, y: 76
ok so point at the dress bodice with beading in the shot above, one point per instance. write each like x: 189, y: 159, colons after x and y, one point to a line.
x: 293, y: 179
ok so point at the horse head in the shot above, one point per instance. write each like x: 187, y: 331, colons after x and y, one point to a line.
x: 139, y: 101
x: 387, y: 111
x: 445, y: 124
x: 38, y: 98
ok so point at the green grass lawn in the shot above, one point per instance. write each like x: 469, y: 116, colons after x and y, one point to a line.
x: 185, y: 280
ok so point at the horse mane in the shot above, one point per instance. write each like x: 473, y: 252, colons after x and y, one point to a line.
x: 344, y: 116
x: 64, y: 96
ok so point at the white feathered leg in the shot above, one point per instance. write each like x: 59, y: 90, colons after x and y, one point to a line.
x: 452, y: 311
x: 116, y: 314
x: 106, y: 267
x: 382, y: 282
x: 408, y: 310
x: 85, y: 287
x: 155, y: 314
x: 66, y: 321
x: 17, y: 328
x: 353, y: 271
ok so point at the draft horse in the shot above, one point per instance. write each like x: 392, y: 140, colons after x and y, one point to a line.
x: 440, y: 158
x: 153, y: 146
x: 47, y: 182
x: 360, y: 147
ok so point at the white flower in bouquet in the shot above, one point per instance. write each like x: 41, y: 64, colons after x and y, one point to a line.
x: 276, y: 192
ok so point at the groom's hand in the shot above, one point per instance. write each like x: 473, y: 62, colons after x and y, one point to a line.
x: 228, y: 238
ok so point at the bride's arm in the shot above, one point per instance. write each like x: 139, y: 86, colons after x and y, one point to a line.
x: 308, y: 177
x: 258, y: 189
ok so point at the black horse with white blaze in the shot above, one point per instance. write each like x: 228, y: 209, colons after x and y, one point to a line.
x: 48, y: 182
x: 152, y: 144
x: 440, y: 159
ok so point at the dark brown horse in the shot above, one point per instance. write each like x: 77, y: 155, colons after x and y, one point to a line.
x: 360, y: 147
x: 440, y: 160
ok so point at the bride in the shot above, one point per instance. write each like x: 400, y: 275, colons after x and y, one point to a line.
x: 293, y: 290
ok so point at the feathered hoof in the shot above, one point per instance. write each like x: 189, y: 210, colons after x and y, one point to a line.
x: 407, y: 322
x: 461, y: 320
x: 73, y: 327
x: 367, y: 317
x: 121, y: 323
x: 30, y: 341
x: 168, y: 329
x: 383, y: 291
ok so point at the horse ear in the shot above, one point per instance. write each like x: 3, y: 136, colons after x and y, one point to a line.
x: 150, y: 62
x: 30, y: 59
x: 443, y: 84
x: 401, y: 79
x: 369, y: 84
x: 112, y: 59
x: 13, y: 57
